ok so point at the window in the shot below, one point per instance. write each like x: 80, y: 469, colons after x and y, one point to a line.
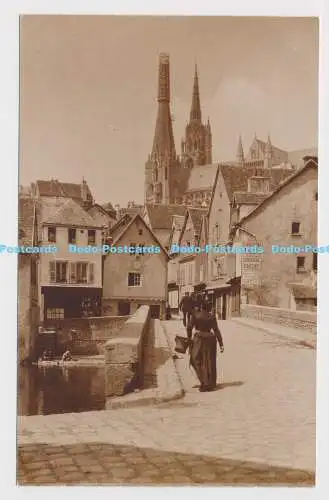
x: 58, y: 272
x: 134, y: 279
x: 82, y: 272
x: 315, y: 262
x: 52, y: 234
x: 140, y: 232
x: 134, y: 247
x: 295, y: 228
x: 72, y: 235
x: 91, y: 236
x: 300, y: 264
x: 73, y: 272
x: 166, y: 173
x: 91, y: 277
x: 188, y: 243
x: 55, y: 313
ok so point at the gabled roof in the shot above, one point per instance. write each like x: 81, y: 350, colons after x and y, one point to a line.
x: 138, y: 217
x: 66, y: 212
x: 310, y: 164
x: 26, y: 221
x: 202, y: 177
x: 241, y: 198
x: 119, y: 225
x: 55, y: 188
x: 195, y: 214
x: 161, y: 216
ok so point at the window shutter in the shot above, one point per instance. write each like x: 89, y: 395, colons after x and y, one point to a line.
x: 52, y: 272
x: 91, y: 273
x: 73, y: 272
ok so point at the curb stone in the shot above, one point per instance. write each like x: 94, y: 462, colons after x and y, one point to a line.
x: 165, y: 391
x: 302, y: 342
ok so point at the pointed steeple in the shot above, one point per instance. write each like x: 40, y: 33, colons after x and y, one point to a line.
x: 268, y: 147
x: 239, y: 153
x: 195, y: 114
x: 163, y: 144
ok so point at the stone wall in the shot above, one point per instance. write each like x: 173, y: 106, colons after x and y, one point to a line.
x: 293, y: 319
x: 124, y: 355
x: 90, y: 333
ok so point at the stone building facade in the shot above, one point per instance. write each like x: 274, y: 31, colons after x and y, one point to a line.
x: 286, y: 218
x: 132, y: 280
x: 28, y: 270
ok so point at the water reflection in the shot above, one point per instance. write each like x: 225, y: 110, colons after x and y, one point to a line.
x: 56, y: 389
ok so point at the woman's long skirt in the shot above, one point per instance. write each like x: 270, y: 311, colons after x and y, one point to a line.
x: 203, y: 359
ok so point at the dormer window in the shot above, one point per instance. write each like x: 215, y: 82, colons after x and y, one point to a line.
x: 91, y: 236
x: 72, y: 235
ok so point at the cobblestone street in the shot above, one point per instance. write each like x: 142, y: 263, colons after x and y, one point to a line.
x: 257, y: 428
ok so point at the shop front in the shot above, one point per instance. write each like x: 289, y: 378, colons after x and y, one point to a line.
x: 71, y: 302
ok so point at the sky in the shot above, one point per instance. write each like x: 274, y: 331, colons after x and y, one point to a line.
x: 88, y: 87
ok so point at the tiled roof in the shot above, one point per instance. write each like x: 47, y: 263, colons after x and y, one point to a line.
x: 202, y: 177
x: 241, y: 198
x: 161, y: 216
x: 25, y: 220
x: 196, y: 216
x: 286, y: 181
x: 66, y: 212
x: 61, y: 189
x: 99, y: 215
x: 236, y: 178
x: 116, y: 229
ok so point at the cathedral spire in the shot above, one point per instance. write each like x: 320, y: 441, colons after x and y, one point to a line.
x: 195, y: 114
x: 239, y: 153
x: 163, y: 144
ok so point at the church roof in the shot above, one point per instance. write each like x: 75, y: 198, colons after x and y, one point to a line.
x: 202, y: 177
x: 161, y: 216
x: 66, y: 212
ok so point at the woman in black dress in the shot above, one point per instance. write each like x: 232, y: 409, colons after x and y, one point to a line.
x: 203, y: 346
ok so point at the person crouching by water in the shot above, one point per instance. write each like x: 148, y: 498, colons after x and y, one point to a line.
x: 203, y: 346
x: 186, y: 306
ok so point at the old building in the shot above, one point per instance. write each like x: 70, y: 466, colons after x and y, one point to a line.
x: 173, y: 264
x: 134, y: 279
x: 104, y: 218
x: 53, y: 188
x: 160, y: 219
x: 237, y: 190
x: 71, y: 282
x: 189, y: 262
x: 286, y: 218
x: 28, y: 306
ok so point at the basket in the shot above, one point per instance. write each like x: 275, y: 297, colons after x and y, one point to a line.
x: 182, y: 344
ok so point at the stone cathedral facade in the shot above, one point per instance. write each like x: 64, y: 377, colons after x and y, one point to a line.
x: 188, y: 178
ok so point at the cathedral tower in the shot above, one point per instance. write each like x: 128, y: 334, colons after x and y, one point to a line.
x: 197, y: 145
x: 240, y: 153
x: 162, y: 162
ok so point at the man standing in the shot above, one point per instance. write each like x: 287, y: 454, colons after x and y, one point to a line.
x: 186, y: 306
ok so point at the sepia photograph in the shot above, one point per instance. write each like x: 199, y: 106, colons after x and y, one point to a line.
x: 167, y: 252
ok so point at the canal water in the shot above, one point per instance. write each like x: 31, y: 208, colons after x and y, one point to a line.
x: 58, y: 389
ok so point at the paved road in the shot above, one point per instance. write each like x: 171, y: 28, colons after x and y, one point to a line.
x: 259, y: 426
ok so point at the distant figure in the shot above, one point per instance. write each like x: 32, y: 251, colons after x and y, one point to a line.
x: 186, y: 306
x: 47, y: 355
x: 203, y: 346
x: 67, y: 356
